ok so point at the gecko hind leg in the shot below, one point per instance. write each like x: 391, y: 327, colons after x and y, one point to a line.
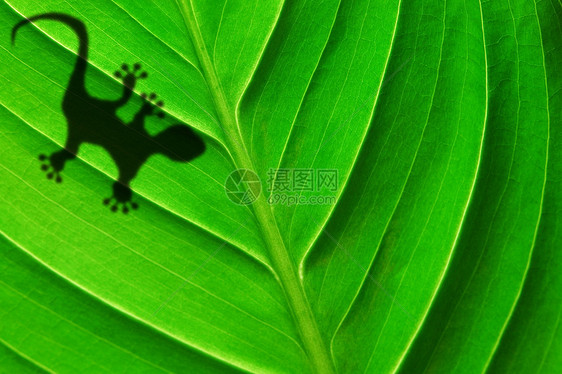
x: 53, y: 164
x: 121, y: 198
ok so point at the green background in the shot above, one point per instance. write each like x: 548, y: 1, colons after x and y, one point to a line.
x: 443, y: 253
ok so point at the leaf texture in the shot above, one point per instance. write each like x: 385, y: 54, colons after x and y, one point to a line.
x: 440, y: 251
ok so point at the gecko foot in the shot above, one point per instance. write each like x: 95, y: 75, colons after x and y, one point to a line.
x: 121, y: 199
x: 130, y: 76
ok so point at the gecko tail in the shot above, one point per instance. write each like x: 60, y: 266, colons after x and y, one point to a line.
x: 75, y: 24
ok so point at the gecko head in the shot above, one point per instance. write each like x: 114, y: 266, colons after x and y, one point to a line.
x: 180, y: 143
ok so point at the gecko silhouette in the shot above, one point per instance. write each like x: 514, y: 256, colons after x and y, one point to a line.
x: 95, y: 121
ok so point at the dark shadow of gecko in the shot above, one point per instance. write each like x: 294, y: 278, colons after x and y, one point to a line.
x: 95, y: 121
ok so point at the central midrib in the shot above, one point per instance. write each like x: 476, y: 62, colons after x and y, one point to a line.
x: 303, y: 317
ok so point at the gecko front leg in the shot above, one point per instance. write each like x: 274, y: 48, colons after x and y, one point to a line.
x: 129, y: 78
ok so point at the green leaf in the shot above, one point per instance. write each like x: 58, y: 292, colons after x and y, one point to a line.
x: 437, y: 251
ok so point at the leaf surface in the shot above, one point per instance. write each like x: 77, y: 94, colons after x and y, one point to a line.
x: 438, y: 249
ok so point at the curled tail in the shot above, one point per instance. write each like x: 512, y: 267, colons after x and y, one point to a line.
x: 77, y: 80
x: 75, y: 24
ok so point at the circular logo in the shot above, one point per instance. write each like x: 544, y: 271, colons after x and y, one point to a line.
x: 242, y: 186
